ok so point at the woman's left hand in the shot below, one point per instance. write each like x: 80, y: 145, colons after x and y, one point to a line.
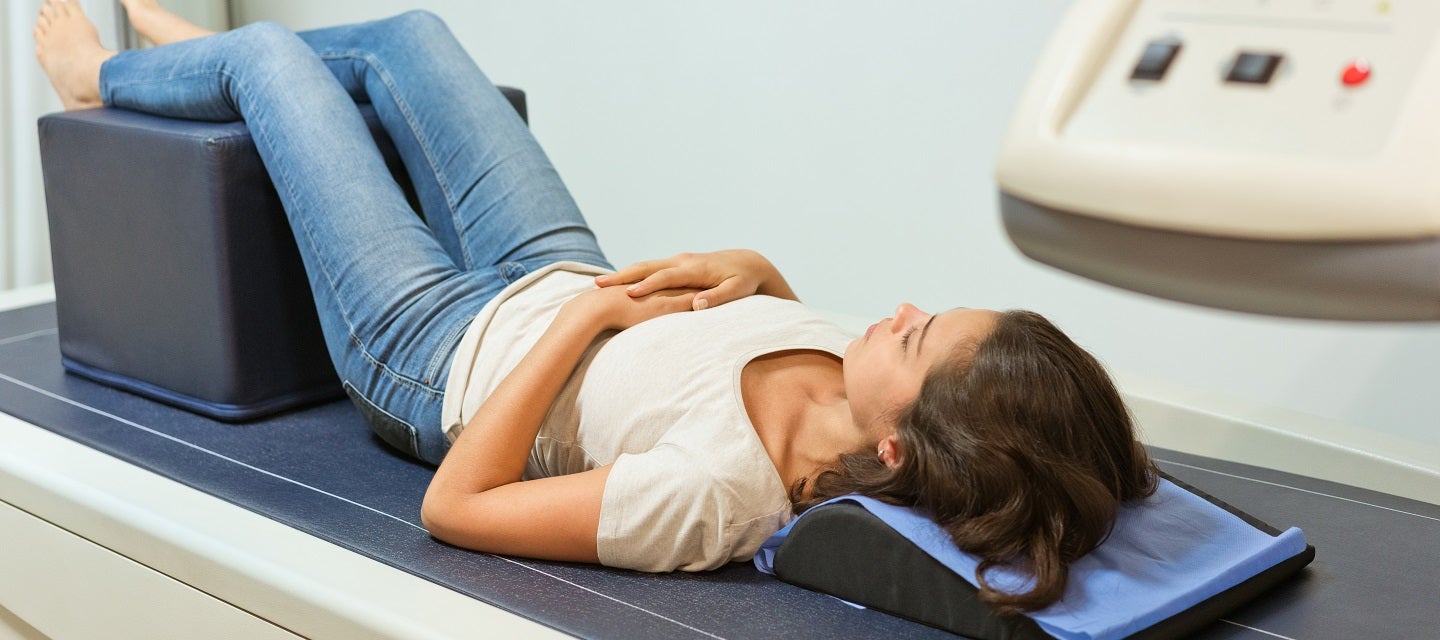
x: 721, y: 276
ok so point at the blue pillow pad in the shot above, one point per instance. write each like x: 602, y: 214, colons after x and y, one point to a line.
x: 844, y: 549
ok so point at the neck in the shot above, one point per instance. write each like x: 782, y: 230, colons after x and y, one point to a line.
x: 797, y: 404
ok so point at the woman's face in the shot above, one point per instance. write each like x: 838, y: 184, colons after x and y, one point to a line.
x: 885, y: 367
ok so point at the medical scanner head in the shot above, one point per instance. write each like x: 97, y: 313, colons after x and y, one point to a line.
x: 1269, y: 157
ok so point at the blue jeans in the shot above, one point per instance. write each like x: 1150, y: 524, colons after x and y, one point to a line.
x: 394, y: 292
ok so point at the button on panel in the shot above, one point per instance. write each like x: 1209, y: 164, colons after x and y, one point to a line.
x: 1355, y: 73
x: 1254, y: 68
x: 1155, y: 60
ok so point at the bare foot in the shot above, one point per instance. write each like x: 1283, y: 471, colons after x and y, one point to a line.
x: 159, y: 25
x: 69, y: 50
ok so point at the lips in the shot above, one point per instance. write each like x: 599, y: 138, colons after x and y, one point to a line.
x: 871, y: 329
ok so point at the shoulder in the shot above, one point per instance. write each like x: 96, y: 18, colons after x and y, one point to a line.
x: 673, y: 508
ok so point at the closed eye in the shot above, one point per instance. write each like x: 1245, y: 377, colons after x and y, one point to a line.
x: 905, y: 340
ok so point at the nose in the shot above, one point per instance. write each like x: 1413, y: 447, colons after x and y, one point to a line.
x: 907, y: 313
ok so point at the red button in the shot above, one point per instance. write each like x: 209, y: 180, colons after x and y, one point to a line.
x: 1355, y: 73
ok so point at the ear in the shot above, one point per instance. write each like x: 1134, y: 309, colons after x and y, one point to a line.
x: 890, y: 452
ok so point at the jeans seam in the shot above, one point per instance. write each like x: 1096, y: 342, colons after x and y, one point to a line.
x: 408, y: 114
x: 324, y: 267
x: 443, y: 352
x: 110, y: 86
x: 394, y: 375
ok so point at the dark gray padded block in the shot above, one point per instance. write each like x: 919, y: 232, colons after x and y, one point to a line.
x: 176, y: 274
x: 175, y: 270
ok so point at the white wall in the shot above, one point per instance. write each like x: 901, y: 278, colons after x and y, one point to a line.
x: 853, y: 142
x: 25, y: 95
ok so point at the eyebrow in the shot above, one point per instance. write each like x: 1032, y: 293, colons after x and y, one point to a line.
x: 920, y: 344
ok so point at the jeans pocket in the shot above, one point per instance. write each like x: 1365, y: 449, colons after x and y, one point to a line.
x: 394, y: 431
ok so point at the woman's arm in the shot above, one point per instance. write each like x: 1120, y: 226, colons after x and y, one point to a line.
x: 722, y: 276
x: 477, y: 500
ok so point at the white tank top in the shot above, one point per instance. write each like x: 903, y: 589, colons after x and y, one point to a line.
x: 692, y: 487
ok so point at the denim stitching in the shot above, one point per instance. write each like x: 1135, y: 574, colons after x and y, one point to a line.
x: 414, y: 431
x: 112, y: 86
x: 432, y: 370
x: 408, y: 113
x: 405, y: 111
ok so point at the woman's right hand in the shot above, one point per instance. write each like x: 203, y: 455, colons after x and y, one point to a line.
x: 615, y: 308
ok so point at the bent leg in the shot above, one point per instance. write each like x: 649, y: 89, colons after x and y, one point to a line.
x: 391, y: 302
x: 488, y: 191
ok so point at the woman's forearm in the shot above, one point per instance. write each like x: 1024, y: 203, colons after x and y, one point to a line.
x: 477, y: 500
x: 493, y: 448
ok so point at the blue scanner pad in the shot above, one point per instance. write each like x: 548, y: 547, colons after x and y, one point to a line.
x: 1173, y: 554
x: 321, y: 471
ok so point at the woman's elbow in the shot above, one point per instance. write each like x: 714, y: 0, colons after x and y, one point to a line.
x: 452, y: 518
x: 432, y: 515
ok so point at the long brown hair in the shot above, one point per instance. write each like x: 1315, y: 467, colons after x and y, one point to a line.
x: 1020, y: 447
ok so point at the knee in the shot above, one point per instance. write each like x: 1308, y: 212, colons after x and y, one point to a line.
x: 421, y: 20
x: 266, y: 51
x: 267, y: 41
x: 418, y: 25
x: 264, y: 33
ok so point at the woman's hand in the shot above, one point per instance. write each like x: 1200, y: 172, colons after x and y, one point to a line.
x: 616, y: 308
x: 718, y: 277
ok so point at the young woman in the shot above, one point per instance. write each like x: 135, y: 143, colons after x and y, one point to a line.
x: 669, y: 415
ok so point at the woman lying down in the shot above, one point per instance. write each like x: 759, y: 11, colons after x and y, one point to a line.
x: 669, y: 415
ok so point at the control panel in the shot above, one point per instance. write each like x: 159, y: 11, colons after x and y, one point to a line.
x: 1281, y: 77
x: 1273, y: 156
